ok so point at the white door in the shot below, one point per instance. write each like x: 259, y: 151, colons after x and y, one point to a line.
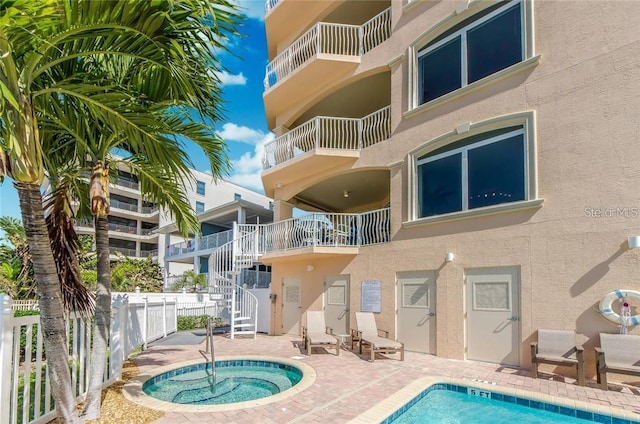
x: 291, y: 305
x: 336, y: 303
x: 492, y: 315
x: 417, y: 311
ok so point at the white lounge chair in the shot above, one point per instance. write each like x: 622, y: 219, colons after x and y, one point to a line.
x: 317, y: 334
x: 557, y: 347
x: 618, y: 353
x: 368, y: 336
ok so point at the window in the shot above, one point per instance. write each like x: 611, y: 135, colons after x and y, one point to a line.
x: 478, y: 171
x: 200, y: 187
x: 471, y: 50
x: 237, y: 196
x: 199, y: 207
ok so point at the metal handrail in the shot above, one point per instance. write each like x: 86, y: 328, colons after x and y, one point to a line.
x: 209, y: 345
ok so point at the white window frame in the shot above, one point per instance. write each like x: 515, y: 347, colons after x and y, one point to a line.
x: 474, y: 7
x: 204, y: 187
x: 466, y: 130
x: 203, y: 207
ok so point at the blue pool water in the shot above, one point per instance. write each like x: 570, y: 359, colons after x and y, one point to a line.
x: 236, y: 381
x: 453, y: 404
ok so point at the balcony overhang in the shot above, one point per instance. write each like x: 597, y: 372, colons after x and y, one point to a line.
x: 306, y: 83
x: 278, y: 23
x: 309, y: 163
x: 311, y: 252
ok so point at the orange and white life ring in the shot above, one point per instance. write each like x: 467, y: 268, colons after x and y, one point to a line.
x: 606, y: 306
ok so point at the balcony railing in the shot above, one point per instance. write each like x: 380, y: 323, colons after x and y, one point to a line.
x: 327, y: 230
x: 207, y: 242
x: 130, y: 230
x: 328, y: 133
x: 329, y: 38
x: 270, y: 4
x: 132, y: 207
x: 132, y: 252
x: 127, y: 183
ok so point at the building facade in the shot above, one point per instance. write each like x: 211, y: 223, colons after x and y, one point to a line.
x: 470, y: 168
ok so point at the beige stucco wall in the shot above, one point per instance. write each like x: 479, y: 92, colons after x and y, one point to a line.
x: 584, y: 93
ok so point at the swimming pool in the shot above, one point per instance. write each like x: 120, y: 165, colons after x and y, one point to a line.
x: 241, y: 382
x: 235, y: 381
x: 438, y: 400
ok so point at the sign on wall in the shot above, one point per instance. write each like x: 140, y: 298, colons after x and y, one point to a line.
x: 371, y: 296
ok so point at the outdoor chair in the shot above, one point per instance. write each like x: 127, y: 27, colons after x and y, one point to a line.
x: 368, y: 335
x: 317, y: 334
x: 557, y: 347
x: 618, y: 353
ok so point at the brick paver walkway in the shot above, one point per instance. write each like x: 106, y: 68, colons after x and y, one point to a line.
x: 348, y: 385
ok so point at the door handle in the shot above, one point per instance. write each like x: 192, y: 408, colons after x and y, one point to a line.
x: 514, y: 318
x: 432, y: 314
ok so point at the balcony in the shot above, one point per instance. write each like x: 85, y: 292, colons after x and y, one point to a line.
x: 131, y: 230
x: 132, y: 252
x: 198, y: 245
x: 130, y: 207
x: 325, y: 52
x: 324, y: 234
x: 123, y: 182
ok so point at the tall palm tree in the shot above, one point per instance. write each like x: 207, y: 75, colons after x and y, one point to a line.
x: 45, y: 49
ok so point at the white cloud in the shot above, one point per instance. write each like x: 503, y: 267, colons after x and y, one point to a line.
x: 230, y: 79
x: 252, y: 8
x: 247, y: 169
x: 242, y: 134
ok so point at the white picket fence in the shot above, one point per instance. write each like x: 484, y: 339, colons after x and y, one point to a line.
x: 133, y: 324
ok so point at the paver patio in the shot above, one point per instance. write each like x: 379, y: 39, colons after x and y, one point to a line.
x: 348, y: 385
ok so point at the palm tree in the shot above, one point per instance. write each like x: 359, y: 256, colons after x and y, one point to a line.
x: 47, y: 50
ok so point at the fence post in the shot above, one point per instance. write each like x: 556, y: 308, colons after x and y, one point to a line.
x: 145, y: 321
x: 175, y: 315
x: 164, y: 316
x: 6, y: 343
x: 116, y: 339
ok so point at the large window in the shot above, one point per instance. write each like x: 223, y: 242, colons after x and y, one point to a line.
x: 200, y: 187
x: 482, y: 170
x: 477, y: 47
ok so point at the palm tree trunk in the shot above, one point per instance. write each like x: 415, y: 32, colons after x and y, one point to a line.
x: 102, y: 320
x: 52, y: 317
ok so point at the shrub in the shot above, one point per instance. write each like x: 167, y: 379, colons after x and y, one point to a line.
x: 192, y: 322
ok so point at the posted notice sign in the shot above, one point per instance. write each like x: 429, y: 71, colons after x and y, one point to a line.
x: 371, y: 296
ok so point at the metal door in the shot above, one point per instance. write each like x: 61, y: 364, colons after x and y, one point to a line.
x: 336, y: 303
x: 416, y: 297
x: 291, y: 305
x: 492, y: 315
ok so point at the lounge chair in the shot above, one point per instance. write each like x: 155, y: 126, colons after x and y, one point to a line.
x: 618, y: 353
x: 317, y: 334
x: 557, y: 347
x: 368, y: 336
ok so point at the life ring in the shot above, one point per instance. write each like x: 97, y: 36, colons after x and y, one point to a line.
x: 606, y: 306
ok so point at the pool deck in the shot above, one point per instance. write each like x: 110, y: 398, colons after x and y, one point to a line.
x: 349, y: 385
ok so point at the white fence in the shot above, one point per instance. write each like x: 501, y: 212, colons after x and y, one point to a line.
x: 29, y: 400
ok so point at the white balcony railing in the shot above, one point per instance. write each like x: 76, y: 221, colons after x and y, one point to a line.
x: 132, y: 252
x: 329, y: 38
x: 270, y: 4
x: 327, y: 230
x: 132, y: 207
x: 207, y: 242
x: 328, y: 133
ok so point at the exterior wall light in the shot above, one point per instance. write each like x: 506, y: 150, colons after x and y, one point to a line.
x: 634, y: 242
x: 450, y: 257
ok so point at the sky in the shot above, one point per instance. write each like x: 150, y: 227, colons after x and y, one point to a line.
x: 244, y: 127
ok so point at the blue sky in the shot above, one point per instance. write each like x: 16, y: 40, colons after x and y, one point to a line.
x: 244, y: 128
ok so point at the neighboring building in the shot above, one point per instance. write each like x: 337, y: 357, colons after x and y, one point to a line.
x: 472, y: 168
x: 138, y: 228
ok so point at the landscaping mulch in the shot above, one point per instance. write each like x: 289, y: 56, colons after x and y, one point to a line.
x: 116, y: 409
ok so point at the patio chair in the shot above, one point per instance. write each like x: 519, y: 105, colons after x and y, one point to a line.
x: 557, y: 347
x: 368, y: 337
x: 618, y: 353
x: 317, y: 334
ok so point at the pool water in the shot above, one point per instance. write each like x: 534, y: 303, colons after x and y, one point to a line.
x: 235, y: 381
x: 453, y: 404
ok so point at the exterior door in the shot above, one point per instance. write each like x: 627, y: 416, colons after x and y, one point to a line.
x: 336, y: 303
x: 492, y: 315
x: 291, y: 305
x: 417, y: 311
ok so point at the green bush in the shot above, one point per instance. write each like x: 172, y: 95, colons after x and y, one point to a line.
x: 190, y: 323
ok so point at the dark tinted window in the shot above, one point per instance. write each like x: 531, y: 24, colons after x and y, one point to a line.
x: 440, y: 184
x: 440, y: 71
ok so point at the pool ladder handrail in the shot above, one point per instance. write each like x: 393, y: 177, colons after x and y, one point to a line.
x: 210, y: 327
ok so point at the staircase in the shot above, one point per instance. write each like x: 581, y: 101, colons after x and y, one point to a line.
x: 225, y: 265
